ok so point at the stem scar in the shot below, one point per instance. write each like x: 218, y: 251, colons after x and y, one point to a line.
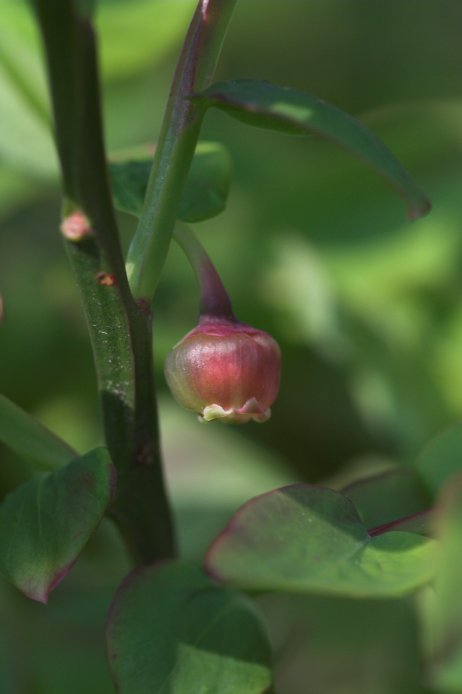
x: 76, y: 227
x: 106, y: 279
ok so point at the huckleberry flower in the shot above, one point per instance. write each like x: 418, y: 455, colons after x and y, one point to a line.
x: 223, y: 369
x: 226, y: 370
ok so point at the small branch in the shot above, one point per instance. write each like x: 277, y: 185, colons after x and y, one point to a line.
x: 176, y: 145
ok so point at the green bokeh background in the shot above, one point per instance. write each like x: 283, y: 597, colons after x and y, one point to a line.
x: 313, y: 248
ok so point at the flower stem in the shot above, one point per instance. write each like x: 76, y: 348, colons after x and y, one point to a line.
x: 176, y: 145
x: 215, y: 301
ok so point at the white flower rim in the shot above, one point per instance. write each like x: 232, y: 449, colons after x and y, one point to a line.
x: 250, y: 411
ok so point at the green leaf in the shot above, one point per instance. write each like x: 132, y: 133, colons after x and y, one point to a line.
x: 207, y: 185
x: 30, y: 439
x: 46, y: 522
x: 171, y: 629
x: 129, y: 182
x: 267, y: 105
x: 310, y: 539
x: 444, y: 614
x: 388, y: 497
x: 421, y: 523
x: 205, y: 192
x: 441, y: 459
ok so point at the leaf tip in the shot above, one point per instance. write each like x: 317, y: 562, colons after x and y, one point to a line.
x: 59, y: 576
x: 41, y: 592
x: 418, y: 208
x: 39, y: 595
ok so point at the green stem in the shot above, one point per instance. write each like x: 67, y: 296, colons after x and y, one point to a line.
x: 215, y: 302
x: 176, y: 145
x: 120, y: 328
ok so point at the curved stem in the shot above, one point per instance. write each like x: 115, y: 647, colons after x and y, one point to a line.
x: 215, y: 302
x: 119, y: 327
x: 176, y: 145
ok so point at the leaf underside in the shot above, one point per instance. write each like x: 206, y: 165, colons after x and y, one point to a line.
x: 205, y: 191
x: 294, y: 112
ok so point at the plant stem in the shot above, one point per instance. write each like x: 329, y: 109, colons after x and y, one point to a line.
x: 215, y: 301
x: 176, y: 145
x: 120, y: 328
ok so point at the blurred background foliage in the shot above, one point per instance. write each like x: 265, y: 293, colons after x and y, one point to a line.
x: 313, y: 248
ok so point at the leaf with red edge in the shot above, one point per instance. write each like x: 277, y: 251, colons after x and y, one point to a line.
x: 294, y: 112
x: 46, y: 522
x: 303, y: 538
x: 389, y: 498
x: 171, y: 629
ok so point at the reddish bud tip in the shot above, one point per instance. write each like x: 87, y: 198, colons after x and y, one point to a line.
x: 225, y: 370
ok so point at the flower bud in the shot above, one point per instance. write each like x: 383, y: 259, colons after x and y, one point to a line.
x: 225, y: 370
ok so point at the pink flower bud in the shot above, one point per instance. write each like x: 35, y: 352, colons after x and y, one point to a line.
x: 225, y: 370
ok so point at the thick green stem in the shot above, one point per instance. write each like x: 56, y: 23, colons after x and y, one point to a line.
x: 176, y: 145
x: 120, y: 328
x: 215, y: 301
